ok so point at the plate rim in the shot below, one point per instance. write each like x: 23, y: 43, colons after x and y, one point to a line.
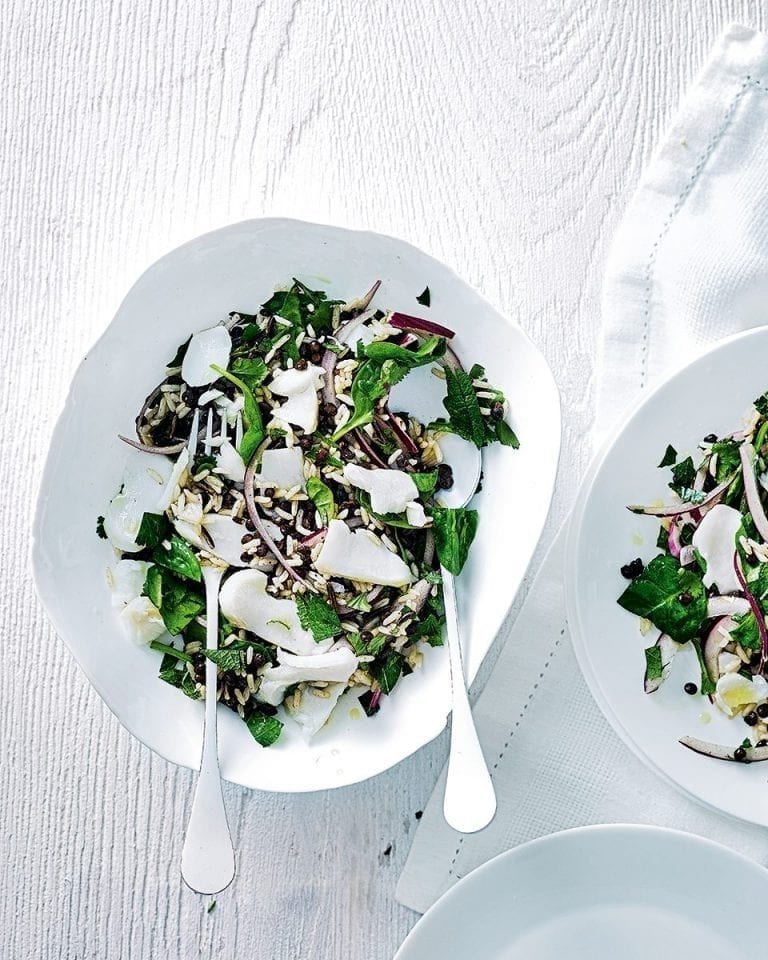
x: 574, y: 534
x: 553, y: 839
x: 66, y: 412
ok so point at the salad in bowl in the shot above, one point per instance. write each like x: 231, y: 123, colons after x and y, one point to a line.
x: 271, y: 449
x: 708, y: 585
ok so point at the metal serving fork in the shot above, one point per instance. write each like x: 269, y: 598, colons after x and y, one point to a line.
x: 208, y: 858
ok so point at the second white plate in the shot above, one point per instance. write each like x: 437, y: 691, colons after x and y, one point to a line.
x: 712, y: 394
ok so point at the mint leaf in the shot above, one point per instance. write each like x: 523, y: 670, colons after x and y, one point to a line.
x: 388, y: 672
x: 728, y: 459
x: 317, y: 616
x: 252, y: 371
x: 178, y: 601
x: 424, y: 298
x: 321, y: 495
x: 654, y: 668
x: 429, y: 629
x: 178, y: 557
x: 506, y: 435
x: 670, y: 456
x: 285, y: 304
x: 746, y: 633
x: 359, y: 602
x: 656, y: 594
x: 152, y: 530
x: 425, y: 482
x: 463, y: 407
x: 225, y: 658
x: 683, y: 475
x: 264, y: 729
x: 369, y: 647
x: 454, y: 531
x: 707, y: 684
x: 430, y: 349
x: 168, y: 651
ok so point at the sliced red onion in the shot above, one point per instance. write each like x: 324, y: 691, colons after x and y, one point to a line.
x: 404, y: 321
x: 406, y: 442
x: 406, y: 339
x: 751, y: 491
x: 416, y: 596
x: 356, y: 307
x: 349, y: 326
x: 149, y: 448
x: 314, y: 538
x: 727, y: 606
x: 146, y: 405
x: 701, y: 475
x: 367, y: 448
x: 256, y: 520
x: 761, y: 628
x: 678, y: 509
x: 673, y: 540
x: 328, y: 364
x: 719, y: 752
x: 375, y: 697
x: 713, y: 644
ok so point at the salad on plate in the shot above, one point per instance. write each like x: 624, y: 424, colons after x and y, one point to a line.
x: 270, y: 448
x: 708, y: 585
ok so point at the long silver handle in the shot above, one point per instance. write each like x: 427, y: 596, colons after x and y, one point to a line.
x: 470, y: 800
x: 208, y: 859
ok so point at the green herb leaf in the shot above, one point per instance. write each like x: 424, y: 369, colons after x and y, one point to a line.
x: 178, y: 557
x: 425, y: 482
x: 656, y: 593
x: 322, y: 496
x: 152, y: 529
x: 654, y: 668
x: 371, y: 647
x: 706, y: 684
x: 454, y: 531
x: 424, y: 298
x: 683, y: 475
x: 429, y: 350
x: 670, y: 456
x: 254, y: 433
x: 189, y: 687
x: 264, y: 729
x: 100, y: 531
x: 225, y: 658
x: 181, y: 352
x: 211, y: 906
x: 761, y: 404
x: 170, y: 673
x: 317, y: 616
x: 746, y: 633
x: 178, y: 601
x: 359, y: 602
x: 285, y: 304
x: 506, y: 435
x: 168, y: 651
x: 464, y: 408
x: 205, y: 461
x: 388, y: 671
x: 728, y: 459
x: 252, y: 371
x: 429, y: 629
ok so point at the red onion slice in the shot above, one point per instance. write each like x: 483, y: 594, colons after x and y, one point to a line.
x: 678, y: 509
x: 406, y: 443
x: 256, y: 520
x: 761, y: 628
x: 404, y: 321
x: 710, y: 649
x: 719, y: 752
x: 727, y: 606
x: 673, y: 541
x: 687, y: 555
x: 751, y: 491
x: 367, y: 448
x: 148, y: 448
x: 314, y: 538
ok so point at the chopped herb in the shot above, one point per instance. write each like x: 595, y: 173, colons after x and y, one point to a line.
x: 388, y: 671
x: 670, y: 456
x: 425, y: 482
x: 100, y: 531
x: 746, y: 633
x: 424, y: 298
x: 367, y: 702
x: 322, y: 497
x: 205, y: 461
x: 654, y: 668
x: 370, y: 647
x: 181, y: 352
x: 153, y: 529
x: 170, y: 651
x: 454, y: 530
x: 252, y: 371
x: 178, y: 601
x: 707, y: 684
x: 728, y: 459
x: 254, y: 432
x: 264, y: 729
x: 429, y: 629
x: 464, y: 408
x: 211, y: 906
x: 317, y: 616
x: 225, y: 658
x: 761, y: 404
x: 683, y: 475
x: 655, y: 594
x: 359, y: 602
x: 178, y: 557
x: 506, y: 435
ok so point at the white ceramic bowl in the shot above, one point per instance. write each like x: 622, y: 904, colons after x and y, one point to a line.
x: 197, y: 284
x: 711, y: 395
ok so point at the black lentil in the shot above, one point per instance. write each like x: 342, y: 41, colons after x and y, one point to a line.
x: 444, y: 476
x: 751, y: 718
x: 762, y: 711
x: 691, y: 688
x: 632, y: 569
x: 740, y: 754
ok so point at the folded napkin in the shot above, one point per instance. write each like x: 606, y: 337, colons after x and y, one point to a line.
x: 689, y: 265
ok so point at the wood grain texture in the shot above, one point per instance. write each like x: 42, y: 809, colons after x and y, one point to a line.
x: 503, y: 138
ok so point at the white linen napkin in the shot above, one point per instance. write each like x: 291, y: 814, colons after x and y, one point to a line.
x: 688, y: 266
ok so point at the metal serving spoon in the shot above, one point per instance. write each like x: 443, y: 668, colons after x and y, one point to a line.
x: 470, y: 801
x: 208, y: 858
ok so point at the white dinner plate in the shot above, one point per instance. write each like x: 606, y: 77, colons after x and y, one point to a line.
x: 189, y: 289
x: 613, y: 892
x: 710, y: 395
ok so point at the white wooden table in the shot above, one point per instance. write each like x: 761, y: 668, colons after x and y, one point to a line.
x: 503, y: 137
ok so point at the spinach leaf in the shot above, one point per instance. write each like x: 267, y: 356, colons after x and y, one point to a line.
x: 746, y: 633
x: 706, y: 684
x: 178, y: 557
x: 454, y: 531
x: 430, y: 349
x: 285, y: 304
x: 371, y: 646
x: 656, y: 594
x: 168, y: 651
x: 322, y: 496
x: 264, y: 729
x: 424, y: 298
x: 254, y: 433
x: 728, y: 459
x: 252, y: 371
x: 170, y: 673
x: 317, y: 616
x: 670, y: 456
x: 152, y: 529
x: 683, y: 475
x: 178, y: 601
x: 388, y: 671
x: 654, y: 668
x: 429, y: 629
